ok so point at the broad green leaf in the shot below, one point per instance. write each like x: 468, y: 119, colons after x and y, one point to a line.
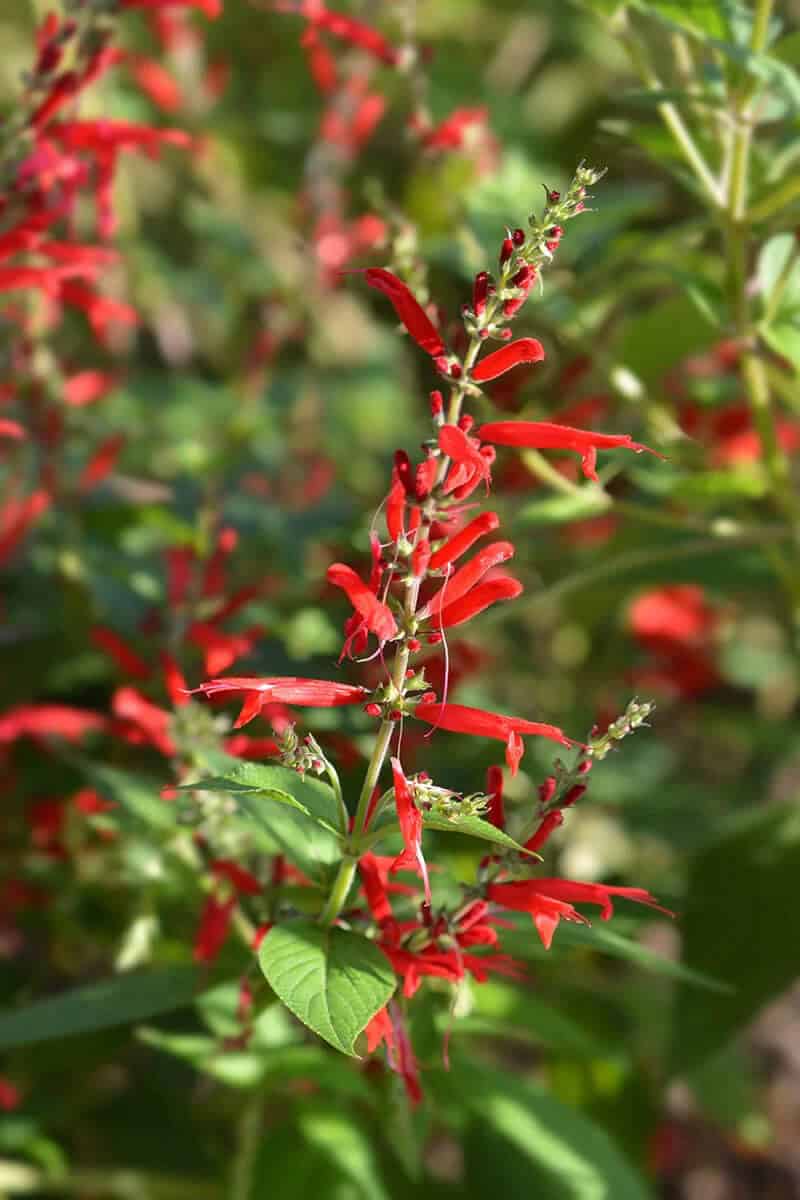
x: 332, y: 980
x: 739, y: 918
x: 475, y: 827
x: 703, y: 17
x: 322, y: 1153
x: 662, y: 336
x: 523, y: 1135
x: 133, y: 996
x: 305, y: 793
x: 297, y: 815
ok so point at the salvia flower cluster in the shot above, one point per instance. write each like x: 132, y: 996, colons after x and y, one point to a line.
x: 437, y: 565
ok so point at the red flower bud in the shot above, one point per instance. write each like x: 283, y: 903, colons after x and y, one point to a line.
x: 479, y: 292
x: 518, y: 237
x: 506, y: 250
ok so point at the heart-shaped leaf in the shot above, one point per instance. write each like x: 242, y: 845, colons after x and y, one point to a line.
x: 333, y: 981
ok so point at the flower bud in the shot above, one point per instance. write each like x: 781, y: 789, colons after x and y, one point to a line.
x: 372, y: 710
x: 506, y: 250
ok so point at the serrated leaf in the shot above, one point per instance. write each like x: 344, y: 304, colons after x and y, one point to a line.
x: 332, y: 980
x: 133, y: 996
x: 476, y: 827
x: 740, y: 915
x: 296, y: 814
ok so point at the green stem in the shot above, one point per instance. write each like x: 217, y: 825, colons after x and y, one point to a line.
x: 339, y: 892
x: 673, y: 120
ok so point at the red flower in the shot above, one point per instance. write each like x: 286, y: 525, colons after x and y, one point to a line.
x: 87, y: 386
x: 315, y: 693
x: 102, y: 462
x: 125, y: 658
x: 549, y: 900
x: 11, y: 429
x: 461, y: 542
x: 543, y: 435
x: 210, y: 8
x: 523, y: 350
x: 410, y: 819
x: 465, y: 579
x: 458, y: 718
x: 48, y: 720
x: 504, y: 587
x: 408, y: 309
x: 473, y: 463
x: 215, y: 921
x: 241, y: 880
x: 9, y: 1095
x: 375, y: 616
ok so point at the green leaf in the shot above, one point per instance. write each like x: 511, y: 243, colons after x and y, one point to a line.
x: 524, y: 943
x: 523, y: 1135
x: 134, y: 996
x: 774, y: 257
x: 784, y: 338
x: 332, y: 980
x: 740, y: 915
x: 297, y: 815
x: 305, y: 793
x: 702, y: 17
x: 662, y: 336
x: 475, y: 827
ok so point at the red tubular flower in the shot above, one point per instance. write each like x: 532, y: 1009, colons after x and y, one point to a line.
x: 460, y: 542
x: 86, y: 387
x: 210, y: 8
x: 379, y: 1029
x: 494, y: 790
x: 550, y: 900
x: 142, y: 722
x: 12, y: 429
x: 471, y: 465
x: 524, y: 350
x: 410, y: 819
x: 9, y: 1095
x: 465, y: 579
x: 49, y: 720
x: 156, y: 82
x: 395, y: 508
x: 549, y: 822
x: 544, y: 435
x: 355, y: 33
x: 504, y: 587
x: 102, y: 462
x: 313, y: 693
x: 215, y: 921
x: 458, y: 718
x: 242, y: 882
x: 113, y: 645
x: 408, y: 309
x: 376, y: 617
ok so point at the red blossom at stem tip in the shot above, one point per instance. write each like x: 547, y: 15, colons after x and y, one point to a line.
x: 313, y: 693
x: 408, y: 309
x: 550, y: 900
x: 458, y: 718
x: 410, y: 819
x: 524, y: 350
x: 544, y: 435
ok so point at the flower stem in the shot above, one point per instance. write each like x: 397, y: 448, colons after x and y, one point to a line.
x: 341, y: 886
